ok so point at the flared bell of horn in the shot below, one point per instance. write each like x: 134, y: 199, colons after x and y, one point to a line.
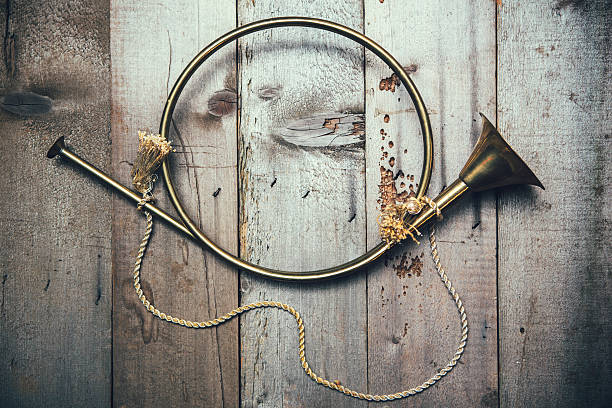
x: 493, y: 163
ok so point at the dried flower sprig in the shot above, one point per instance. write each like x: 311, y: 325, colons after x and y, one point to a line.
x: 392, y: 226
x: 152, y: 150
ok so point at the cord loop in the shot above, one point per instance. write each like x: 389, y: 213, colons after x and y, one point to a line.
x: 334, y: 385
x: 146, y: 198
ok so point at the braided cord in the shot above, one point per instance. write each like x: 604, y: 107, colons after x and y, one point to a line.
x: 300, y: 325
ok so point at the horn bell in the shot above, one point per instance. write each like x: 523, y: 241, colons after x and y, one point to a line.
x: 494, y: 164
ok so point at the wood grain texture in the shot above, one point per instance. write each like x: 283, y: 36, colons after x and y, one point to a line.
x: 155, y: 363
x: 554, y: 262
x: 284, y: 145
x: 55, y: 293
x: 413, y: 325
x: 301, y: 207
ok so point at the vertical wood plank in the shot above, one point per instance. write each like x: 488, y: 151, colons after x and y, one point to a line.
x: 554, y: 267
x: 55, y: 287
x: 302, y: 202
x: 155, y: 363
x: 449, y: 50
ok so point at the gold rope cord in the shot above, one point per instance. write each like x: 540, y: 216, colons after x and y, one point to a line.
x: 300, y: 325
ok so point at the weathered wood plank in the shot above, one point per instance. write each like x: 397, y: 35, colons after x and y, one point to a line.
x: 55, y: 294
x: 554, y: 266
x: 413, y: 325
x: 302, y: 207
x: 155, y: 363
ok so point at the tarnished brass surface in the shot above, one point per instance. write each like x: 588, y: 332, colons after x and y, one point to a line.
x: 443, y: 200
x: 59, y: 148
x: 493, y: 163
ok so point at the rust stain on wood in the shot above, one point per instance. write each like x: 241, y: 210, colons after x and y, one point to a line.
x: 545, y: 51
x: 331, y: 123
x: 390, y: 83
x: 388, y: 190
x: 402, y: 269
x: 411, y: 69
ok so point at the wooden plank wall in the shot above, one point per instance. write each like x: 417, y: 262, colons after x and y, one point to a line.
x: 554, y: 263
x: 302, y: 208
x: 55, y: 252
x: 156, y: 364
x: 285, y: 144
x: 413, y: 325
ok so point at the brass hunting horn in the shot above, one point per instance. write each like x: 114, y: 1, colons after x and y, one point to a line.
x: 492, y: 164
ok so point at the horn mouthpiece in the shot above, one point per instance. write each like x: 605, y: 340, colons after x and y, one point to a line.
x: 57, y: 147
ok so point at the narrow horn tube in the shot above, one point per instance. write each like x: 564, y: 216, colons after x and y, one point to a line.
x: 59, y: 149
x: 448, y: 196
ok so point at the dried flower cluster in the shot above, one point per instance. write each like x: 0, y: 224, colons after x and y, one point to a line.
x: 392, y: 226
x: 152, y: 150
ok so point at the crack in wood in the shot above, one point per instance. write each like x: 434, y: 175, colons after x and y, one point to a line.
x: 326, y: 130
x: 9, y: 42
x: 4, y: 278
